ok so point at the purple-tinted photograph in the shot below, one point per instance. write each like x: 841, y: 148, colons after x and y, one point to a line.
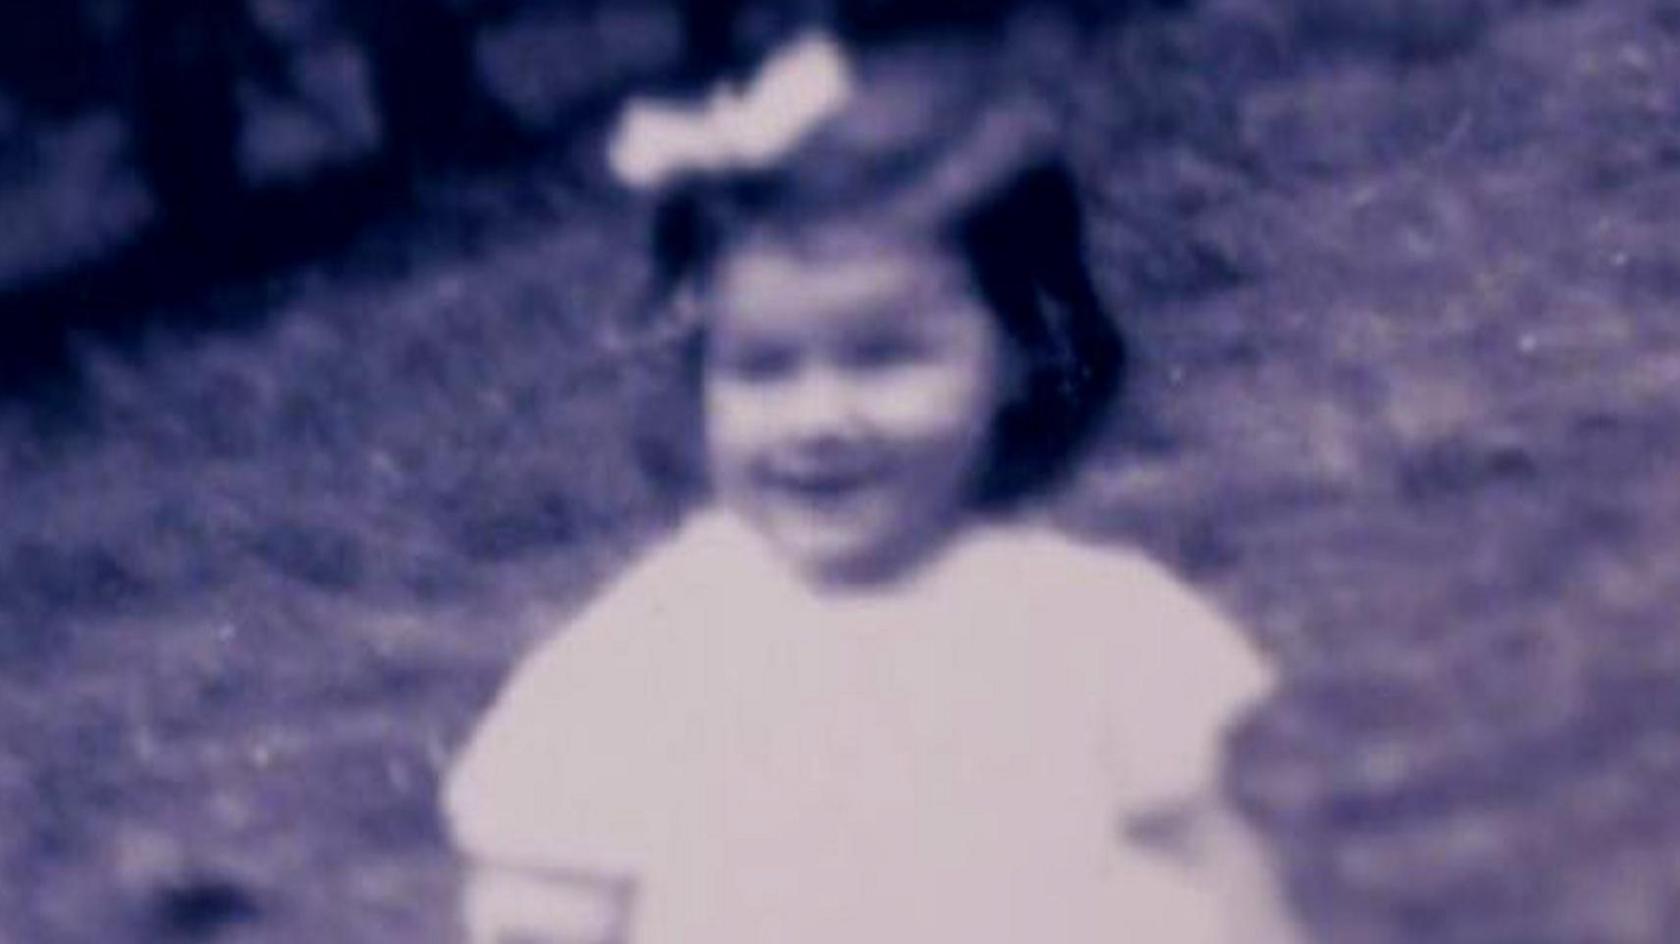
x: 827, y: 471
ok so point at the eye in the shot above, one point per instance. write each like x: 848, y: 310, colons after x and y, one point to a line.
x: 884, y: 351
x: 752, y: 363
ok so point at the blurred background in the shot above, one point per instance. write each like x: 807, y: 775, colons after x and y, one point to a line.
x: 315, y: 410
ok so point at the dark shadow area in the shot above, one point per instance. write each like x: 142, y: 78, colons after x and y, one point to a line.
x: 203, y: 910
x: 875, y: 20
x: 432, y: 105
x: 38, y: 40
x: 186, y: 68
x: 159, y: 276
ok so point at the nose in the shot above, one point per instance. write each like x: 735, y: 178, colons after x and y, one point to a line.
x: 820, y: 407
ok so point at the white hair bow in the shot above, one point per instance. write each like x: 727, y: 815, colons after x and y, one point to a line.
x: 736, y: 127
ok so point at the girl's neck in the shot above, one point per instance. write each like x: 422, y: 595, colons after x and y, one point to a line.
x: 908, y: 564
x: 910, y: 558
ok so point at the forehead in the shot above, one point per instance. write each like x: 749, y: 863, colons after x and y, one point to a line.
x: 801, y: 282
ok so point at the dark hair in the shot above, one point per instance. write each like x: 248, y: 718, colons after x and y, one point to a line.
x: 1025, y: 248
x: 1022, y: 243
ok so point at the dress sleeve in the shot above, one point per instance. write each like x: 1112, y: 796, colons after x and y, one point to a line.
x: 505, y: 905
x: 553, y: 802
x: 558, y: 772
x: 1186, y: 674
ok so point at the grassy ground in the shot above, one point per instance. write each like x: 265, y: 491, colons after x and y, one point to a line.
x: 1401, y: 289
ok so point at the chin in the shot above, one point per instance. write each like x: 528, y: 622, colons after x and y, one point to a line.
x: 850, y: 561
x: 854, y: 547
x: 822, y: 558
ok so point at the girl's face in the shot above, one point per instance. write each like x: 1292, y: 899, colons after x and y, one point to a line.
x: 848, y: 401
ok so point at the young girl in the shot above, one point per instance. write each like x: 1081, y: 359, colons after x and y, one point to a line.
x: 862, y: 697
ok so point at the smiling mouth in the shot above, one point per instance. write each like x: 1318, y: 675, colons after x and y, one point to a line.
x: 825, y: 486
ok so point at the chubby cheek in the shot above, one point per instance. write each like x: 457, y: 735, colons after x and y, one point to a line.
x: 735, y: 430
x: 951, y: 411
x: 934, y: 415
x: 941, y: 430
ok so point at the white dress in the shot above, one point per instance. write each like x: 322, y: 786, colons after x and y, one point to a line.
x: 953, y: 760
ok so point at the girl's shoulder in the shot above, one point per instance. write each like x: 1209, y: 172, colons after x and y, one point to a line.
x: 681, y: 593
x: 708, y: 549
x: 514, y: 792
x: 1123, y: 600
x: 1175, y: 670
x: 1053, y: 564
x: 684, y: 570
